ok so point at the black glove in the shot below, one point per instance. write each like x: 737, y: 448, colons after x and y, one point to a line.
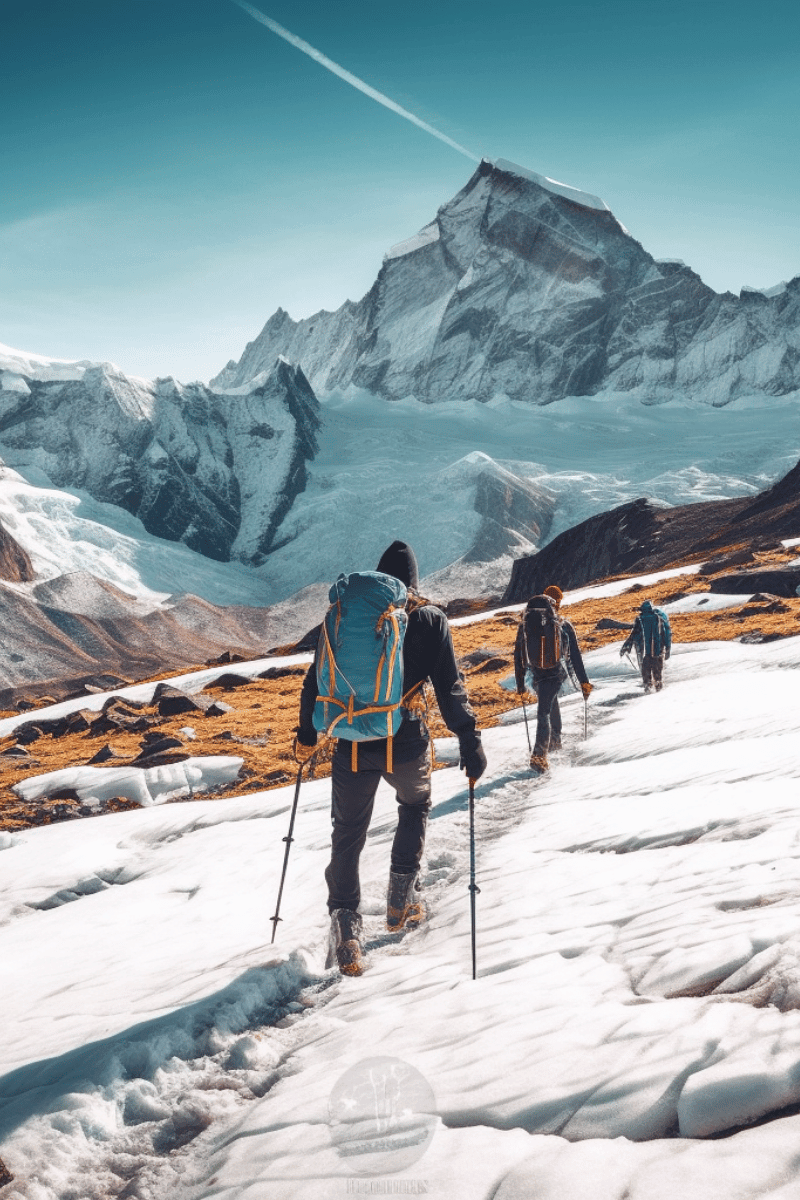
x: 303, y: 747
x: 473, y: 759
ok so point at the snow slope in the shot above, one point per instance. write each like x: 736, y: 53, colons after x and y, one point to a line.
x: 638, y: 975
x: 65, y: 532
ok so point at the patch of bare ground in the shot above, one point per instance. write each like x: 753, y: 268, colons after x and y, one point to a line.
x: 260, y: 726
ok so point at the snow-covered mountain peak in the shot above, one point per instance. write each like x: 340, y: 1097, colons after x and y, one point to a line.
x: 21, y: 363
x: 777, y: 289
x: 576, y: 195
x: 526, y: 288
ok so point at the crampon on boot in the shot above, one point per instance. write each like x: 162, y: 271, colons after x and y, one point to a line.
x: 404, y: 908
x: 345, y: 946
x: 539, y: 764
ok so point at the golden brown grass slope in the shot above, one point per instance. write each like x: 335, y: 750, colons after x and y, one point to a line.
x: 260, y: 727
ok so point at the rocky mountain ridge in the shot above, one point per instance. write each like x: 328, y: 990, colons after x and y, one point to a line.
x: 525, y: 288
x: 63, y: 632
x: 215, y: 471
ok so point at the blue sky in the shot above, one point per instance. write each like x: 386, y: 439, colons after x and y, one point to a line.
x: 172, y: 171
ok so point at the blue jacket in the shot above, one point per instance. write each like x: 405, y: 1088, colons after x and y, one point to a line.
x: 651, y: 634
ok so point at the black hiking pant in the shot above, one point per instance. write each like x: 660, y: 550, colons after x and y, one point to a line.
x: 353, y: 796
x: 652, y: 669
x: 548, y: 714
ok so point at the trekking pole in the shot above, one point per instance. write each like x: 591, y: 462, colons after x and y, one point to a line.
x: 527, y: 730
x: 473, y: 887
x: 288, y: 839
x: 585, y: 717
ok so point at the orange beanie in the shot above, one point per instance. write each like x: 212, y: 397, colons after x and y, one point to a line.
x: 555, y: 593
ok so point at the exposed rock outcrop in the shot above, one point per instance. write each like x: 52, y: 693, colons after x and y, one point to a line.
x: 15, y: 563
x: 525, y: 288
x: 783, y: 581
x: 640, y: 536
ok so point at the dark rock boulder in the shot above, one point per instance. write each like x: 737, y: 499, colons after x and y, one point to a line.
x: 160, y: 752
x: 171, y: 701
x: 118, y: 713
x: 104, y: 755
x: 282, y: 672
x: 228, y: 682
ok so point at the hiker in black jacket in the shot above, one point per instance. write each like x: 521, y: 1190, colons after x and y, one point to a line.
x: 547, y: 681
x: 428, y: 654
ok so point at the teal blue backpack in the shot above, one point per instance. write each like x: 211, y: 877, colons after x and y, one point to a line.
x: 655, y: 630
x: 359, y: 660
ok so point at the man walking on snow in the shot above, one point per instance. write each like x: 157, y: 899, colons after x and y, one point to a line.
x: 427, y: 654
x: 652, y: 637
x: 548, y: 679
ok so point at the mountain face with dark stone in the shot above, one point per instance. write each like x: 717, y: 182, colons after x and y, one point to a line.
x: 640, y: 536
x: 526, y: 288
x: 215, y: 471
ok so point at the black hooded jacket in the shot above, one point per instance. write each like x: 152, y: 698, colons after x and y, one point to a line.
x: 428, y: 654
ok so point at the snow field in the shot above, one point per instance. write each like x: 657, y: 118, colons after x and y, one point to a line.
x: 638, y: 957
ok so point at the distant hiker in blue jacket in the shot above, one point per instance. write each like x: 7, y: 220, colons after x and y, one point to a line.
x: 427, y: 654
x: 652, y: 638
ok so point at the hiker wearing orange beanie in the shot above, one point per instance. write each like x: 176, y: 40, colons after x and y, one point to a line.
x: 559, y: 654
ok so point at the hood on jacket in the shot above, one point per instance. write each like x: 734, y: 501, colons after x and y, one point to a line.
x: 646, y: 607
x: 400, y: 561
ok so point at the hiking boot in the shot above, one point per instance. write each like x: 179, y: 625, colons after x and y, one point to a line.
x: 404, y: 908
x: 659, y: 687
x: 345, y: 946
x: 555, y: 742
x: 539, y: 764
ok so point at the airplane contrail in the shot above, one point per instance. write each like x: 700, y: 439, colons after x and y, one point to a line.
x: 353, y: 80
